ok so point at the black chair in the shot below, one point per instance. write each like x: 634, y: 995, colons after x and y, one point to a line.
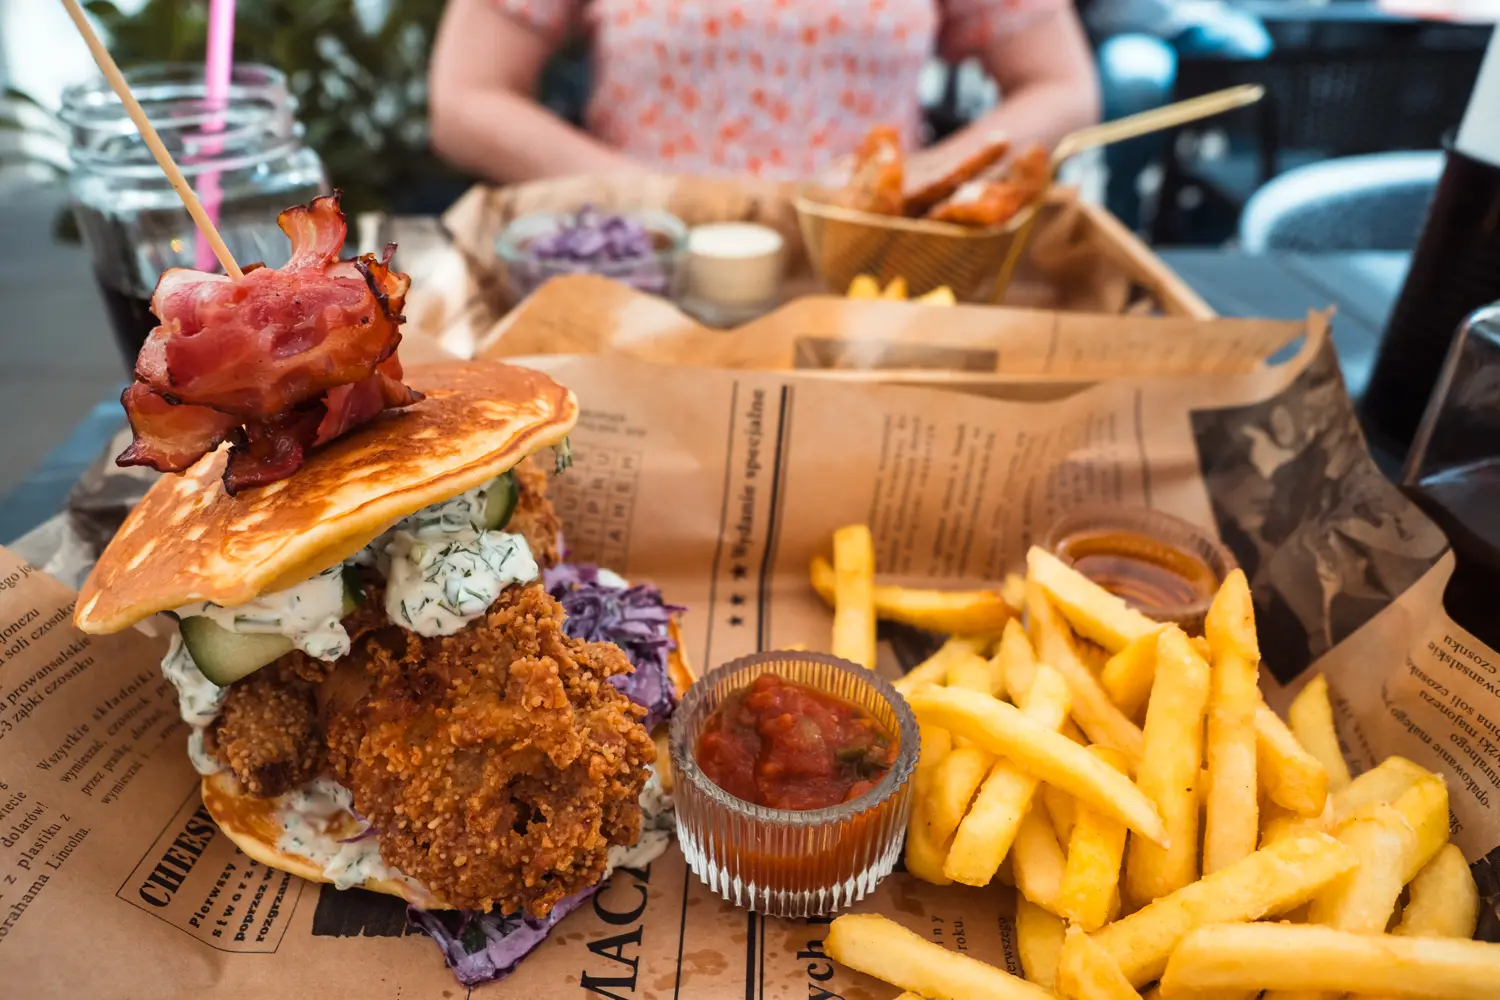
x: 1318, y: 104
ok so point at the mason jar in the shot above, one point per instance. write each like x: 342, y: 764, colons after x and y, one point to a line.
x: 244, y: 157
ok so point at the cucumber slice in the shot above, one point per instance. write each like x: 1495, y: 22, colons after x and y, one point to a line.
x: 500, y: 501
x: 224, y: 656
x: 354, y: 591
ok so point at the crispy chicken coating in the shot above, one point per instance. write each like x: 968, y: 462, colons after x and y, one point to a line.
x: 496, y: 764
x: 534, y: 517
x: 268, y: 732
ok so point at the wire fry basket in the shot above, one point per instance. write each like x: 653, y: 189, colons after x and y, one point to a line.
x: 842, y: 243
x: 977, y: 264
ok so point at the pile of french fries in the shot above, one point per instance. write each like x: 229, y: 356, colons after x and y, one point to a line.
x: 865, y: 286
x: 1164, y: 830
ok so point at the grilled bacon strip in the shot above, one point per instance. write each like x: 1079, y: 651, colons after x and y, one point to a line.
x: 278, y: 362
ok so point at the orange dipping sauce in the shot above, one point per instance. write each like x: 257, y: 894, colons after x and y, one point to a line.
x: 788, y: 746
x: 1145, y: 571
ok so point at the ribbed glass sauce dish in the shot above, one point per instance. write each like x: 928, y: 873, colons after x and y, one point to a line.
x: 785, y: 862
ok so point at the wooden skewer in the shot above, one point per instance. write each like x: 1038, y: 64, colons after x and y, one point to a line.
x: 153, y: 141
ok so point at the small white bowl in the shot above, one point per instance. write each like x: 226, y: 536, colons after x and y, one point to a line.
x: 734, y: 268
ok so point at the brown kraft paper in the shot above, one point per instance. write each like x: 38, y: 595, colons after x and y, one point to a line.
x: 720, y: 485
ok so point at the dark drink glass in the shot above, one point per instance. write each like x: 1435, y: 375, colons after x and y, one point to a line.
x: 1453, y: 472
x: 245, y: 153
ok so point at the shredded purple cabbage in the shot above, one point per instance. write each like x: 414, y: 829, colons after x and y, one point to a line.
x: 634, y: 618
x: 616, y: 246
x: 479, y: 947
x: 591, y: 236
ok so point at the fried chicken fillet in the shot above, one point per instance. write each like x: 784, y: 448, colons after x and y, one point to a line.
x: 496, y: 765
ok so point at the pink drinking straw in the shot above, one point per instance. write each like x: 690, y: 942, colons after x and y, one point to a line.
x: 217, y: 65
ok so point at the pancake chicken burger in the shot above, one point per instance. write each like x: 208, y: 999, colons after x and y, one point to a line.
x: 392, y: 680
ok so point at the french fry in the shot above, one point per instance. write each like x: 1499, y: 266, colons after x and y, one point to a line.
x: 1095, y: 714
x: 1303, y: 957
x: 1013, y: 589
x: 1444, y: 899
x: 972, y: 672
x: 952, y: 612
x: 1037, y: 861
x: 1291, y: 777
x: 1086, y: 971
x: 1170, y: 772
x: 1128, y: 674
x: 854, y: 600
x: 1093, y: 612
x: 1365, y: 899
x: 1096, y: 849
x: 933, y: 747
x: 1003, y: 729
x: 880, y: 947
x: 1039, y: 939
x: 934, y: 669
x: 942, y: 295
x: 984, y: 836
x: 1395, y: 842
x: 1386, y: 782
x: 896, y: 290
x: 1277, y: 823
x: 864, y: 286
x: 924, y: 859
x: 924, y: 856
x: 1062, y: 810
x: 1271, y: 881
x: 1311, y: 720
x: 1016, y: 659
x: 1172, y: 775
x: 1231, y: 825
x: 954, y: 783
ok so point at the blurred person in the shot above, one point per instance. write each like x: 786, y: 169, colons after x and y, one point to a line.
x: 770, y: 88
x: 1141, y: 43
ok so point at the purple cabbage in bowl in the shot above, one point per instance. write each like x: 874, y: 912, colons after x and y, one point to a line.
x: 640, y: 249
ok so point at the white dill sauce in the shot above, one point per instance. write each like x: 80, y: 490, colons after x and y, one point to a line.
x: 308, y: 614
x: 443, y: 569
x: 309, y: 814
x: 198, y: 698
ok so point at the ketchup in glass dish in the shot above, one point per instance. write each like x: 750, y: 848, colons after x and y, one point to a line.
x: 784, y: 745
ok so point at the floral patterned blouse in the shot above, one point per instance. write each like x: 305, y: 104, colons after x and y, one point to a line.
x: 774, y: 88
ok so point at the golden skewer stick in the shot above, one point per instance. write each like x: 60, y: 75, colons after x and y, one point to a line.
x: 153, y: 141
